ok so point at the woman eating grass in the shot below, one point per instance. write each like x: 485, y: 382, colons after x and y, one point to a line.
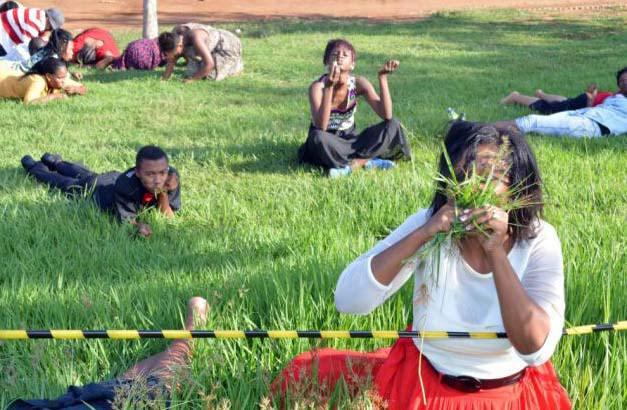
x: 46, y: 81
x: 503, y: 274
x: 333, y: 142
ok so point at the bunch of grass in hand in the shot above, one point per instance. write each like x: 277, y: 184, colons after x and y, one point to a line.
x: 476, y: 190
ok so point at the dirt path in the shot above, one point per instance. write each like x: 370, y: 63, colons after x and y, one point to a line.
x: 127, y: 14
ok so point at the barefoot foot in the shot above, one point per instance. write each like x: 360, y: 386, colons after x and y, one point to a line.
x: 197, y: 308
x: 511, y: 98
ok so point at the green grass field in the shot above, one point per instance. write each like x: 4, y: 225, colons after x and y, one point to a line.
x: 264, y: 239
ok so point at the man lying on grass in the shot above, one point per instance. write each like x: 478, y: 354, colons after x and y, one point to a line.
x: 145, y: 385
x: 151, y: 182
x: 605, y: 119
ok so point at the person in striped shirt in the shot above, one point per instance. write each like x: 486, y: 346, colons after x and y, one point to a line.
x: 19, y: 25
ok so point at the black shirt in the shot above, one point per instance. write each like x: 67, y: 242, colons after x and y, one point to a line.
x: 124, y: 195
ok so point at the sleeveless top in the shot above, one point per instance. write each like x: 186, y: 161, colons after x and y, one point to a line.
x: 225, y: 48
x: 343, y: 120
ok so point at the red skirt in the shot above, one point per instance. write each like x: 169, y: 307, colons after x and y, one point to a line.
x: 393, y: 376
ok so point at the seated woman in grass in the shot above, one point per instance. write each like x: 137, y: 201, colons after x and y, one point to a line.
x: 46, y: 81
x: 142, y: 54
x: 210, y: 53
x: 147, y: 384
x: 332, y: 142
x: 95, y: 46
x: 483, y: 260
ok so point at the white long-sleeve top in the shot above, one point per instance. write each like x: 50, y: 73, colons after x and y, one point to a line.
x: 464, y: 300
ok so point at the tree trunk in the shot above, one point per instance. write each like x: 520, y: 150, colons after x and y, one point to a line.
x: 151, y: 25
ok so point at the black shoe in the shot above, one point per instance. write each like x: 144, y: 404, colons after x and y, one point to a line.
x: 28, y: 162
x: 51, y: 160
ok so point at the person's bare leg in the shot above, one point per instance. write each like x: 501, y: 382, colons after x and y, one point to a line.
x: 517, y: 98
x: 164, y: 365
x: 549, y: 97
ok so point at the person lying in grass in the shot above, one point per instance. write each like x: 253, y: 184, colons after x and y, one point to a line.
x: 607, y: 118
x: 152, y: 182
x: 332, y: 141
x: 59, y: 45
x: 552, y: 103
x: 46, y: 81
x: 147, y: 384
x: 210, y: 53
x: 501, y: 272
x: 21, y: 24
x: 95, y: 46
x: 142, y: 54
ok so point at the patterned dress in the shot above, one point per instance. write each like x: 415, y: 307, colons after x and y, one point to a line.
x: 225, y: 48
x: 344, y: 120
x: 142, y: 54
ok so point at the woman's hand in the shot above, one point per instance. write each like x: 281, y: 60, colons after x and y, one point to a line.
x: 441, y: 221
x: 389, y: 67
x: 77, y: 75
x: 493, y: 222
x: 76, y: 90
x: 334, y: 75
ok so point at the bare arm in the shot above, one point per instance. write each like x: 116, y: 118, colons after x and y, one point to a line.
x: 381, y: 104
x: 105, y: 62
x: 163, y: 199
x: 526, y: 323
x: 163, y: 204
x: 321, y: 98
x: 386, y: 265
x: 169, y: 69
x: 198, y: 40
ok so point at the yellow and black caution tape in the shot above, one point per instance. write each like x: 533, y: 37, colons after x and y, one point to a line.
x: 279, y: 334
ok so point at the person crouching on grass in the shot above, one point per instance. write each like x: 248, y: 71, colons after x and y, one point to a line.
x: 152, y: 182
x: 332, y: 142
x: 505, y: 276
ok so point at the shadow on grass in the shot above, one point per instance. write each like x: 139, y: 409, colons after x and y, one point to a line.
x: 113, y: 76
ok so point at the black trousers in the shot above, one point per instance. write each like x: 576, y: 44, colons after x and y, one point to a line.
x: 334, y: 150
x: 2, y: 52
x: 545, y: 107
x: 69, y: 177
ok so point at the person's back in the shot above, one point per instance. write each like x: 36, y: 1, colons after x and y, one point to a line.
x: 14, y: 84
x: 19, y: 25
x: 107, y: 46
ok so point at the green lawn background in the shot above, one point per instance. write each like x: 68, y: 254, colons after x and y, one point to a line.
x: 265, y: 240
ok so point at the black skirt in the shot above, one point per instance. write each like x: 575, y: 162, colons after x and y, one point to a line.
x: 336, y: 149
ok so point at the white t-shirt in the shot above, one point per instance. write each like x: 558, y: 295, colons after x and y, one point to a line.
x: 464, y: 300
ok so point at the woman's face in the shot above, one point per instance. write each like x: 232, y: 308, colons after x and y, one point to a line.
x: 57, y: 80
x: 344, y: 58
x: 622, y: 83
x: 68, y: 53
x: 486, y: 159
